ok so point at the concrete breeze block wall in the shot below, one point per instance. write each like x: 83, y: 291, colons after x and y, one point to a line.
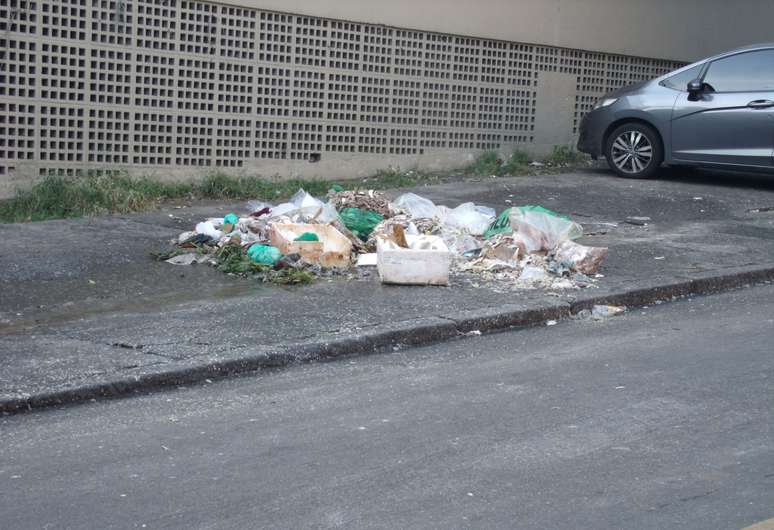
x: 180, y: 88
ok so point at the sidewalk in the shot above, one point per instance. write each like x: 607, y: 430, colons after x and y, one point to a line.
x: 85, y: 311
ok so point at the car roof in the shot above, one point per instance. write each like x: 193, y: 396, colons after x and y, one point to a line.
x: 749, y: 47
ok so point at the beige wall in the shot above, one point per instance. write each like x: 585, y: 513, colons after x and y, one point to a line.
x: 683, y: 30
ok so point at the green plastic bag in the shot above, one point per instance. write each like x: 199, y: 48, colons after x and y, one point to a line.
x: 307, y: 236
x: 502, y: 225
x: 337, y: 188
x: 360, y: 222
x: 230, y: 219
x: 264, y: 254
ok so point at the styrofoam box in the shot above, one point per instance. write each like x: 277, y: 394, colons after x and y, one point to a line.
x: 425, y: 262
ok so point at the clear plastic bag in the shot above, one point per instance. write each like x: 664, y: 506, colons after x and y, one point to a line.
x: 580, y: 258
x: 257, y: 206
x: 469, y: 217
x: 541, y: 229
x: 415, y: 207
x: 304, y: 208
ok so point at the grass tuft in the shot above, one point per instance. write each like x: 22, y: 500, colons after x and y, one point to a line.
x: 517, y: 164
x: 487, y: 164
x: 564, y: 155
x: 94, y: 193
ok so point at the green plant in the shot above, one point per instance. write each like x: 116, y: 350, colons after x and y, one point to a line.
x: 517, y: 164
x: 487, y: 164
x: 564, y: 155
x: 393, y: 178
x: 233, y: 259
x: 289, y: 277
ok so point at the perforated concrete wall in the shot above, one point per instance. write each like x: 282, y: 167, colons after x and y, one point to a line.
x: 177, y: 87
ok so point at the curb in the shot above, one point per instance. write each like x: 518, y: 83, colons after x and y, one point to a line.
x: 380, y: 338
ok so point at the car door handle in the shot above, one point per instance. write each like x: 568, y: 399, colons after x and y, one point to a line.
x: 761, y: 104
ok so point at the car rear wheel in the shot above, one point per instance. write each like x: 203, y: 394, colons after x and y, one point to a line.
x: 634, y: 150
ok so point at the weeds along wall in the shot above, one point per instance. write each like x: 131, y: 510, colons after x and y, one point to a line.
x: 175, y: 88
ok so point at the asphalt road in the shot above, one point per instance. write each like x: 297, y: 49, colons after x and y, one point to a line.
x: 661, y: 418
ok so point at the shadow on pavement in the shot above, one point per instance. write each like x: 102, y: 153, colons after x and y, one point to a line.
x: 713, y: 177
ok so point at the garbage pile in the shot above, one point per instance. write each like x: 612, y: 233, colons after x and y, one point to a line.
x: 409, y: 240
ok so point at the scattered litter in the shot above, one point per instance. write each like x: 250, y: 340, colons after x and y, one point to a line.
x: 371, y: 200
x: 551, y: 323
x: 411, y: 241
x: 698, y: 198
x: 637, y: 221
x: 599, y: 312
x: 188, y: 258
x: 473, y: 333
x: 531, y: 273
x: 660, y: 257
x: 762, y: 210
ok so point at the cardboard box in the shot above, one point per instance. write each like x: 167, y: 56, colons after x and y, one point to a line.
x: 333, y: 249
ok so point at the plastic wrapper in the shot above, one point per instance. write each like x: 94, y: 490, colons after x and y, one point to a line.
x: 579, y: 257
x: 532, y: 273
x: 541, y: 229
x: 459, y: 241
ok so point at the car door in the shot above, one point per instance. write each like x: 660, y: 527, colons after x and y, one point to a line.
x: 731, y: 122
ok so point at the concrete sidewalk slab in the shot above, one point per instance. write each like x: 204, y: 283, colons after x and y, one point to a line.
x: 84, y: 311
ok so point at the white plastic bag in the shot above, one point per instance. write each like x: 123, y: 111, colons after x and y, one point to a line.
x: 304, y: 208
x: 208, y: 229
x: 415, y: 206
x: 469, y: 217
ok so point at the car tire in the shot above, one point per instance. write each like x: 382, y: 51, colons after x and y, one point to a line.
x: 634, y: 151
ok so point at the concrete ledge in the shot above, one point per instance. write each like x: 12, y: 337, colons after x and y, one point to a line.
x: 381, y: 338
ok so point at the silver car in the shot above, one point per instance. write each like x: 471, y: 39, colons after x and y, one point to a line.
x: 718, y: 112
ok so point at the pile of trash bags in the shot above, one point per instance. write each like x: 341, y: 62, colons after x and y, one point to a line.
x: 410, y: 240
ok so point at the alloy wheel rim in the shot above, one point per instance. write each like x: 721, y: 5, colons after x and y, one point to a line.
x: 632, y: 152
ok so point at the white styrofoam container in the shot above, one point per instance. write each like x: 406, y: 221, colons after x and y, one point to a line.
x: 425, y: 262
